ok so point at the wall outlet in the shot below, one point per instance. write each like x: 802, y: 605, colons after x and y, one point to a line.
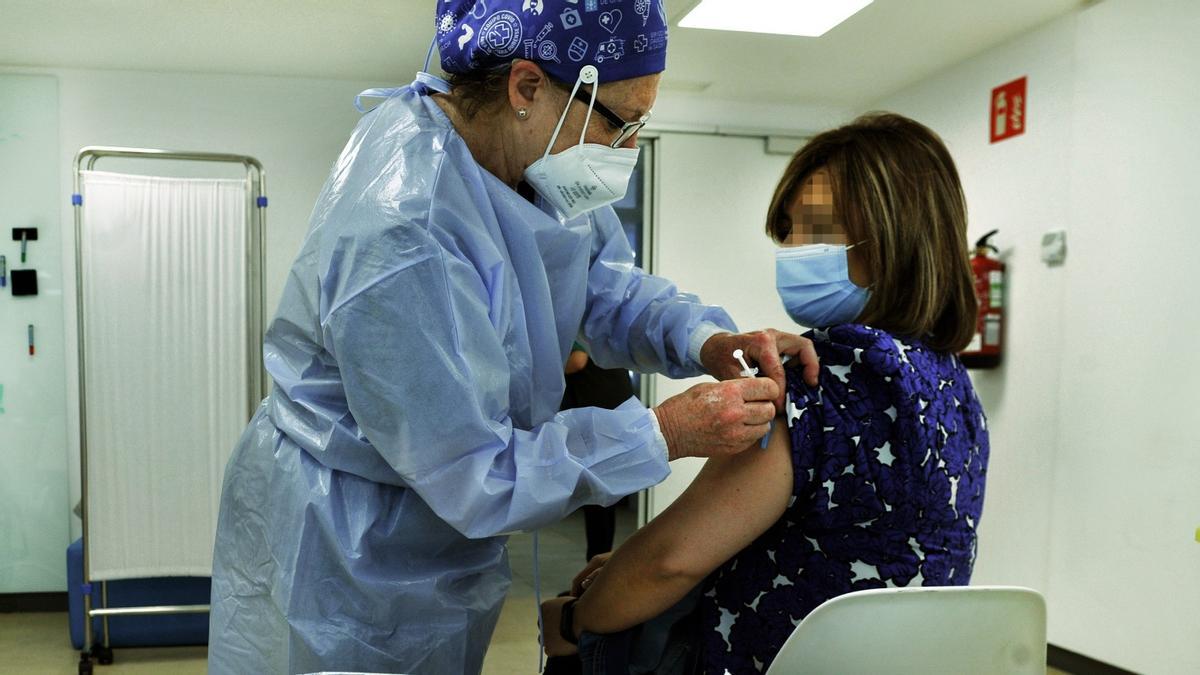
x: 1054, y: 247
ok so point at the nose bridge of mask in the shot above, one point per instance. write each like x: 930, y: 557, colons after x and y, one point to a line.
x: 824, y: 263
x: 815, y: 250
x: 587, y: 75
x: 811, y: 251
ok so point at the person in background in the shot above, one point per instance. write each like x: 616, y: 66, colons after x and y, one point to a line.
x: 874, y: 477
x: 589, y: 385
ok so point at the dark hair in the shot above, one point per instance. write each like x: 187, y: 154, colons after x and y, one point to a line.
x: 478, y: 90
x: 895, y: 187
x: 481, y: 89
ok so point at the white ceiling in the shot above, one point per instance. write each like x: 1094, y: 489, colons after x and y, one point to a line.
x: 885, y: 47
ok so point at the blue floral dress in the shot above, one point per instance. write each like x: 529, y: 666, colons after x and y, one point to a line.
x: 890, y: 456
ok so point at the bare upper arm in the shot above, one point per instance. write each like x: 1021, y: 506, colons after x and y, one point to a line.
x: 730, y: 503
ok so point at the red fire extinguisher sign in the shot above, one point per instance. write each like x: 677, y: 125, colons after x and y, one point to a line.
x: 1008, y: 117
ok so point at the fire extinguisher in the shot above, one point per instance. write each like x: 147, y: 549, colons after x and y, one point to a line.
x: 987, y: 346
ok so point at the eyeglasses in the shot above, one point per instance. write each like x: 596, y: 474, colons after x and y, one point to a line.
x: 625, y: 130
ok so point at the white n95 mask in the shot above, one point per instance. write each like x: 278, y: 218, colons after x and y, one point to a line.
x: 583, y: 177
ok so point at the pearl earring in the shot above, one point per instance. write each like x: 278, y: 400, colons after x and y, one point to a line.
x: 522, y: 113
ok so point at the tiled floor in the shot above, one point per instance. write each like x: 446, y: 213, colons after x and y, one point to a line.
x: 37, y: 644
x: 561, y: 552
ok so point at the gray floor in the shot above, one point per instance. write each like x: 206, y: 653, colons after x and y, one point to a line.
x: 562, y: 551
x: 38, y: 643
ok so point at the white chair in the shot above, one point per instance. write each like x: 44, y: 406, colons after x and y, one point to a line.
x: 920, y: 631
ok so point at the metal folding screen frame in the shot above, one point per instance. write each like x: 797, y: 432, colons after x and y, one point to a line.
x: 256, y: 203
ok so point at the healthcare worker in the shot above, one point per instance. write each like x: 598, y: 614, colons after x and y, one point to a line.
x: 462, y: 243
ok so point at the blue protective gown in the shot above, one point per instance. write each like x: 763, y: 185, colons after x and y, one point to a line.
x: 417, y: 356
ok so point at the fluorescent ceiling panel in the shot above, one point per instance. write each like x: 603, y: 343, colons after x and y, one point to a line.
x: 807, y: 18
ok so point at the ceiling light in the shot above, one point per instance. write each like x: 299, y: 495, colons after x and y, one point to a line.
x: 808, y: 18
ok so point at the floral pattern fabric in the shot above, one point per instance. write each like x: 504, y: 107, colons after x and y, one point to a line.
x: 889, y: 454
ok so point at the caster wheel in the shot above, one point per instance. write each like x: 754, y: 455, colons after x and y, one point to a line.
x: 103, y: 654
x: 85, y: 664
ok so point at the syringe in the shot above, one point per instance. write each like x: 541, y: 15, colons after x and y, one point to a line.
x: 747, y: 371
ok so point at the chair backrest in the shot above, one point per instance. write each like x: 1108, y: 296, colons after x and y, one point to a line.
x: 919, y: 631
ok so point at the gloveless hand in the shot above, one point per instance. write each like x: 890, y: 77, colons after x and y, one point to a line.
x: 717, y: 418
x: 762, y: 349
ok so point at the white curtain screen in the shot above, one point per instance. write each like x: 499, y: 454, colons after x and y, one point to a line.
x: 166, y: 365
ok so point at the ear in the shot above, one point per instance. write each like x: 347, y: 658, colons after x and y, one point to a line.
x: 526, y: 81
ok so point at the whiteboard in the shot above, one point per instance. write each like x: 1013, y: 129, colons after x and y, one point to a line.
x: 34, y: 506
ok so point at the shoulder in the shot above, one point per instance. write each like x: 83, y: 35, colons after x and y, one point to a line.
x: 373, y: 218
x: 388, y: 173
x: 855, y: 351
x: 863, y: 370
x: 866, y: 372
x: 849, y: 352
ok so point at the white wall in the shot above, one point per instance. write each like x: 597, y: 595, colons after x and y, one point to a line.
x: 676, y: 108
x: 1124, y: 565
x: 295, y: 127
x: 1092, y: 493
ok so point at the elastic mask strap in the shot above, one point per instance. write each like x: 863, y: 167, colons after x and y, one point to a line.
x: 563, y: 118
x: 825, y: 249
x: 864, y: 241
x: 588, y: 119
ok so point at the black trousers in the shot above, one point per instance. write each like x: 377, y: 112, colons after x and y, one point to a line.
x: 600, y: 526
x: 668, y: 644
x: 601, y: 388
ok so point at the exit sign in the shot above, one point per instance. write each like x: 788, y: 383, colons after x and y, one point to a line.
x: 1008, y: 110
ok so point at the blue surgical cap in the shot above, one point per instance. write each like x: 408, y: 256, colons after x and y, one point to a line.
x: 622, y: 38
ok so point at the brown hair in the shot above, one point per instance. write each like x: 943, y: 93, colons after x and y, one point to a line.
x: 896, y: 189
x: 480, y: 89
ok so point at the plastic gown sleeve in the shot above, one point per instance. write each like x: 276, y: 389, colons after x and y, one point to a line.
x: 427, y: 379
x: 637, y: 320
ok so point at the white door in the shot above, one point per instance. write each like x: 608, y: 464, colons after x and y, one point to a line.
x: 709, y: 237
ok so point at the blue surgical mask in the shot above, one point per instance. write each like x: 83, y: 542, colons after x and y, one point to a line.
x: 814, y: 285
